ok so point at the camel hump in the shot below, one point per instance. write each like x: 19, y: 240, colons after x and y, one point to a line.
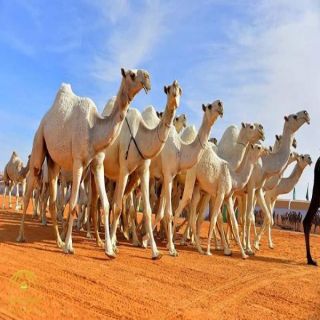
x: 149, y: 115
x: 65, y: 87
x: 109, y: 107
x: 188, y: 134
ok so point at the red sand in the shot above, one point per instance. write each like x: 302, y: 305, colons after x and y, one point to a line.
x: 275, y: 284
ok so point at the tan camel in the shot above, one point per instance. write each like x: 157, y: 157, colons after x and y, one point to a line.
x: 70, y: 136
x: 14, y: 175
x: 268, y: 166
x: 177, y: 156
x: 130, y: 154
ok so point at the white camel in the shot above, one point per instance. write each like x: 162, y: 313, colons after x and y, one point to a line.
x: 14, y: 175
x: 130, y: 154
x: 268, y: 166
x: 287, y: 184
x: 177, y: 156
x: 219, y: 180
x: 70, y: 136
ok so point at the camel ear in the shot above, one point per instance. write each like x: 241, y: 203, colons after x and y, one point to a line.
x: 158, y: 114
x: 243, y: 125
x: 180, y: 91
x: 165, y: 89
x: 286, y: 118
x: 161, y: 114
x: 132, y: 75
x: 270, y: 148
x: 251, y: 146
x: 277, y: 137
x: 123, y: 72
x: 204, y: 107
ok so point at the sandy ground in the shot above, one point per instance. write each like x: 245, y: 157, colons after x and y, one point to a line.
x: 38, y: 281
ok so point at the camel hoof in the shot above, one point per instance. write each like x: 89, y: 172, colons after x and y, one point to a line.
x: 115, y: 249
x: 136, y: 244
x: 183, y: 243
x: 60, y: 244
x: 21, y: 239
x: 68, y: 250
x: 44, y: 223
x: 157, y: 257
x: 88, y: 235
x: 100, y: 244
x: 110, y: 255
x: 244, y: 256
x: 250, y: 252
x: 312, y: 262
x: 208, y: 253
x: 126, y: 235
x: 227, y: 252
x: 271, y: 245
x: 145, y: 241
x: 256, y: 245
x: 218, y: 248
x: 173, y: 253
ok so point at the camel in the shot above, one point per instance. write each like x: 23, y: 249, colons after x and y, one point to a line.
x: 216, y: 177
x: 71, y: 135
x: 234, y: 142
x: 312, y: 211
x: 180, y: 122
x: 130, y: 154
x: 177, y: 156
x: 14, y: 175
x: 286, y: 185
x: 268, y: 166
x: 232, y: 147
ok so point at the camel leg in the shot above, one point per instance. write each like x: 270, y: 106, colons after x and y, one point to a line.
x: 249, y: 220
x: 4, y: 196
x: 168, y: 221
x: 32, y: 180
x: 144, y: 178
x: 100, y: 184
x: 10, y: 191
x: 201, y: 211
x: 193, y: 217
x: 266, y: 220
x: 186, y: 197
x: 132, y: 214
x: 161, y: 207
x: 53, y: 172
x: 76, y: 180
x: 234, y: 224
x: 117, y: 206
x: 17, y: 195
x: 217, y: 203
x: 43, y: 202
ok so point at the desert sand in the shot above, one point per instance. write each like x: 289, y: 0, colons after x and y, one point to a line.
x: 274, y: 284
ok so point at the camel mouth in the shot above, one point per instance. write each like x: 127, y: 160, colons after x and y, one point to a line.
x: 146, y: 88
x: 220, y: 113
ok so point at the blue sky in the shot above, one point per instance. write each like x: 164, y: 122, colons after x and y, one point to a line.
x: 260, y: 57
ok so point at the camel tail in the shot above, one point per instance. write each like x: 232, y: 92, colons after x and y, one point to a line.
x: 315, y: 199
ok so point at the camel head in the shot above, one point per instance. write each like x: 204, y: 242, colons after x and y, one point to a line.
x: 251, y: 132
x: 173, y: 93
x: 214, y: 141
x: 294, y: 121
x: 213, y: 111
x: 256, y: 151
x: 180, y: 122
x: 134, y: 80
x: 304, y: 160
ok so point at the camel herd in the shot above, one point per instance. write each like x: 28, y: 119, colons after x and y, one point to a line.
x: 111, y: 161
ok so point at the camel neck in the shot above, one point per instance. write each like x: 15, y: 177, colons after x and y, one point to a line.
x: 191, y: 153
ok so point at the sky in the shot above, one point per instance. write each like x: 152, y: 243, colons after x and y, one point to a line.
x: 261, y: 58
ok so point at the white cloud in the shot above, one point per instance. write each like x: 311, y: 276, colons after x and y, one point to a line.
x: 268, y: 67
x: 138, y: 32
